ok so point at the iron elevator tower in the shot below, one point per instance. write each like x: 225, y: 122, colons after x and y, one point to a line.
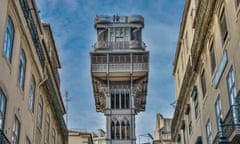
x: 119, y: 70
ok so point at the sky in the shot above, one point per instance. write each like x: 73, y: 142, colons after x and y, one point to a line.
x: 72, y: 23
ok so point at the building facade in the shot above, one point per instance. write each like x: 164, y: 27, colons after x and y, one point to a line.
x: 162, y: 133
x: 206, y: 71
x: 78, y: 137
x: 119, y: 69
x: 100, y: 137
x: 31, y: 107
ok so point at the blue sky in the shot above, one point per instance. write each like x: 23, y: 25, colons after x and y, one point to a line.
x: 72, y: 25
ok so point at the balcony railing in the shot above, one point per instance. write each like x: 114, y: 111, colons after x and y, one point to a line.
x: 119, y: 45
x: 3, y: 138
x: 101, y: 19
x: 56, y: 105
x: 120, y: 67
x: 33, y: 30
x: 231, y: 121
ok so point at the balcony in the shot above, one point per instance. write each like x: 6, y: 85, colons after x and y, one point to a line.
x: 103, y: 19
x: 231, y: 124
x: 119, y: 45
x: 120, y: 67
x: 33, y: 30
x: 3, y: 138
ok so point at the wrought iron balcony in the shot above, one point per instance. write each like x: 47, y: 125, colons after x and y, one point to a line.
x: 120, y: 67
x: 33, y: 30
x: 119, y: 45
x: 103, y: 19
x: 231, y: 123
x: 3, y: 138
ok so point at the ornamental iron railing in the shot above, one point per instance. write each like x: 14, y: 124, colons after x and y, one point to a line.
x: 119, y: 45
x: 57, y: 105
x: 33, y: 30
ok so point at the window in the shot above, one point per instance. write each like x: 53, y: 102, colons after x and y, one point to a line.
x: 231, y: 86
x: 112, y: 130
x: 128, y: 130
x: 212, y: 57
x: 8, y: 40
x: 53, y: 136
x: 2, y: 109
x: 27, y: 141
x: 223, y: 25
x: 112, y: 100
x: 189, y: 122
x: 117, y: 100
x: 47, y: 129
x: 197, y: 110
x: 218, y: 108
x: 118, y: 130
x: 123, y: 130
x: 209, y: 132
x: 40, y: 112
x: 16, y: 131
x: 123, y: 95
x: 32, y: 95
x: 22, y: 69
x: 203, y: 82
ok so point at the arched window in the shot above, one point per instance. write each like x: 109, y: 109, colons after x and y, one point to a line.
x: 112, y: 130
x: 22, y: 69
x: 112, y: 100
x: 127, y: 100
x: 123, y: 130
x: 128, y: 130
x: 8, y: 40
x: 117, y: 130
x: 122, y: 100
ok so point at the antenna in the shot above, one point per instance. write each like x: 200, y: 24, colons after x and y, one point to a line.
x: 67, y: 100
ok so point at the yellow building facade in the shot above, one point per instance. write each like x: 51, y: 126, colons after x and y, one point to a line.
x: 162, y: 133
x: 31, y: 107
x: 206, y: 71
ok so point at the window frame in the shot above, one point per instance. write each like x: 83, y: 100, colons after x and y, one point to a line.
x: 22, y: 69
x: 3, y: 105
x: 218, y: 111
x: 16, y: 130
x: 209, y: 132
x: 232, y: 91
x: 213, y: 63
x: 9, y: 39
x: 223, y: 24
x: 203, y: 83
x: 32, y: 93
x: 47, y: 129
x: 40, y: 112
